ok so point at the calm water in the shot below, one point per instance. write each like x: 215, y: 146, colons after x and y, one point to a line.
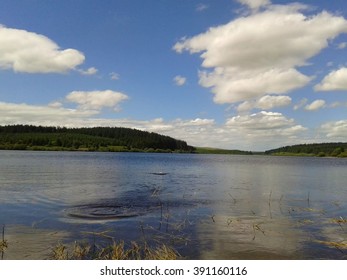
x: 206, y: 206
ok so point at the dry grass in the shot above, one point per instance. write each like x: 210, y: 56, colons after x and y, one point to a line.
x: 115, y: 251
x: 3, y: 246
x: 342, y: 245
x: 339, y: 220
x: 3, y: 243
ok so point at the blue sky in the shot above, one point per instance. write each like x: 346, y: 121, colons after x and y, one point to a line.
x: 238, y: 74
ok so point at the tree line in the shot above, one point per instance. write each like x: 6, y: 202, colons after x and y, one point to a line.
x: 319, y: 149
x: 29, y: 137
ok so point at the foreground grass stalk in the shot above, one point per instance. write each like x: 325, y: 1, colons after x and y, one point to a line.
x: 115, y: 251
x: 3, y: 243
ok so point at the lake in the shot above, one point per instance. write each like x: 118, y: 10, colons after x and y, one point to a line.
x: 205, y: 206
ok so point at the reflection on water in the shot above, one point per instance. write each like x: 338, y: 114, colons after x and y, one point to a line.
x: 30, y: 243
x: 207, y: 206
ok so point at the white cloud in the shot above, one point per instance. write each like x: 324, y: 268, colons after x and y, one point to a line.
x: 231, y: 87
x: 268, y: 102
x: 335, y: 131
x: 260, y: 121
x: 55, y: 104
x: 265, y: 103
x: 315, y: 105
x: 251, y: 56
x: 252, y: 132
x: 335, y: 80
x: 96, y: 100
x: 179, y: 80
x: 30, y: 52
x: 114, y: 76
x: 264, y: 129
x: 12, y: 113
x: 89, y: 72
x: 246, y: 106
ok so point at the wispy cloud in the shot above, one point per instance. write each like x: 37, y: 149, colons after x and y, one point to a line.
x: 114, y: 76
x: 301, y: 104
x: 342, y: 45
x: 201, y: 7
x: 89, y: 72
x: 255, y: 4
x: 337, y: 104
x: 179, y: 80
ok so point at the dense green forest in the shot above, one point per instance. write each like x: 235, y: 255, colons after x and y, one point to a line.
x: 114, y: 139
x: 118, y: 139
x: 320, y: 150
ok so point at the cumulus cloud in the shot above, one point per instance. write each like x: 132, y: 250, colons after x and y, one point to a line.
x: 260, y: 121
x: 24, y: 51
x: 96, y: 100
x: 251, y: 56
x: 180, y: 128
x: 179, y: 80
x: 315, y: 105
x: 269, y: 101
x: 265, y: 103
x: 89, y: 72
x: 264, y: 128
x: 230, y: 87
x: 335, y: 80
x: 335, y: 130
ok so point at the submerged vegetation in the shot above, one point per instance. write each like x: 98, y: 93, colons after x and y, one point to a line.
x: 104, y: 139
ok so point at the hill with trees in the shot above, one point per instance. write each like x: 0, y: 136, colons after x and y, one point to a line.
x: 113, y: 139
x: 320, y: 150
x: 216, y: 151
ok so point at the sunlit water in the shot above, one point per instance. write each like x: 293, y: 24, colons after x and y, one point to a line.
x: 206, y: 206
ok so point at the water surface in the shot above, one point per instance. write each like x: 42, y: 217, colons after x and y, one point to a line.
x: 206, y: 206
